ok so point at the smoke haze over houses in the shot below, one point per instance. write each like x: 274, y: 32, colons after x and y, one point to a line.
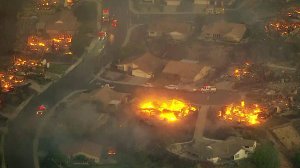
x: 8, y: 19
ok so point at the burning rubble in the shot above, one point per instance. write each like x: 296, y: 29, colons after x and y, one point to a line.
x: 287, y: 24
x: 16, y: 75
x: 251, y: 114
x: 170, y: 110
x: 25, y: 67
x: 60, y: 43
x: 38, y: 44
x: 9, y: 81
x: 242, y: 71
x: 282, y: 27
x: 46, y: 4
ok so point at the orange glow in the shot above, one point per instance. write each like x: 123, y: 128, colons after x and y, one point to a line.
x: 282, y: 27
x: 166, y: 110
x: 242, y: 71
x: 242, y: 113
x: 36, y: 43
x: 9, y: 81
x: 111, y: 151
x: 286, y: 24
x: 61, y: 42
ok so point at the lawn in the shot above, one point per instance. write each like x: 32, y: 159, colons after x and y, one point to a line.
x: 58, y: 68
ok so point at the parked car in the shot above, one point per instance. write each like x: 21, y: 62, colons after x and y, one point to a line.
x: 171, y: 87
x: 208, y: 89
x: 108, y: 85
x: 147, y: 85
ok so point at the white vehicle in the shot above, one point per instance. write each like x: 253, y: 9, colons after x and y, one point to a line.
x: 171, y: 87
x: 107, y: 85
x: 148, y: 85
x: 208, y: 89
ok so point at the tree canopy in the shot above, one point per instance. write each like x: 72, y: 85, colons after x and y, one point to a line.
x: 266, y: 156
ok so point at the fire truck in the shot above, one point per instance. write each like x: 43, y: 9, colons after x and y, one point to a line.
x: 208, y: 89
x: 105, y: 15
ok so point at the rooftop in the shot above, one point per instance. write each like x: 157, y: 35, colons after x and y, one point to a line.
x: 107, y: 96
x: 187, y: 71
x: 86, y: 147
x: 230, y: 31
x: 168, y: 25
x: 63, y: 21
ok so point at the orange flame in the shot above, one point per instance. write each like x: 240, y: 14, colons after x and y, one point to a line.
x: 242, y: 113
x: 167, y: 110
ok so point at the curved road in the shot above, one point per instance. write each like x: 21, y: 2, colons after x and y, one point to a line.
x: 18, y: 144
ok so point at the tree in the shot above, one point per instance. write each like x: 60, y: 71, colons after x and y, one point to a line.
x: 296, y: 160
x: 266, y: 156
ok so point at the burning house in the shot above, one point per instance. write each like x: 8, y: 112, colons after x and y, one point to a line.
x: 243, y: 113
x: 18, y: 72
x: 9, y: 82
x: 285, y: 25
x: 168, y: 110
x: 60, y: 43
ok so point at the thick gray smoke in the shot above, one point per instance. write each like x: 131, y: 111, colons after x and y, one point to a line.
x: 8, y: 20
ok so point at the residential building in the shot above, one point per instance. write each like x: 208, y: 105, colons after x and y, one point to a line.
x: 172, y: 5
x: 215, y: 3
x: 177, y: 30
x: 223, y: 31
x: 147, y: 2
x: 215, y: 151
x: 202, y: 2
x: 61, y: 22
x: 108, y: 97
x: 185, y: 72
x: 233, y: 148
x: 88, y: 149
x: 144, y: 66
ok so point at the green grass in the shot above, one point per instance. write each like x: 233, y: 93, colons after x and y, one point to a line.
x: 58, y: 68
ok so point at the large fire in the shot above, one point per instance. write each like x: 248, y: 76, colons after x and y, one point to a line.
x: 166, y: 110
x: 242, y: 113
x: 60, y: 43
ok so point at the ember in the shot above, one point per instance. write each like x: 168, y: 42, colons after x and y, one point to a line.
x: 248, y: 114
x: 9, y: 81
x: 242, y: 71
x: 36, y: 43
x: 167, y: 110
x: 284, y: 26
x: 59, y: 43
x: 46, y: 4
